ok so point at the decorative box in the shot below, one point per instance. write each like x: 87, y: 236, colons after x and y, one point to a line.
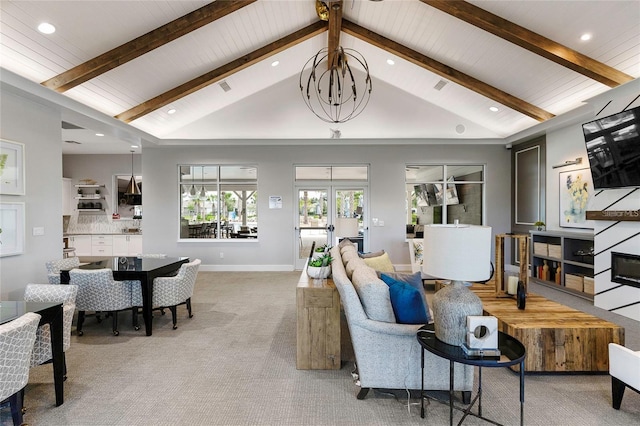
x: 574, y: 282
x: 588, y: 285
x: 554, y: 251
x: 540, y: 249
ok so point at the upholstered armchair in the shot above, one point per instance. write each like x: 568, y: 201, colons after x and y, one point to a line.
x: 98, y: 291
x: 55, y: 266
x: 51, y: 293
x: 624, y: 368
x: 16, y: 344
x: 169, y: 292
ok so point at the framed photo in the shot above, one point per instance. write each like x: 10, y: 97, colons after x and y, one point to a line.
x: 11, y: 229
x: 576, y: 195
x: 11, y: 168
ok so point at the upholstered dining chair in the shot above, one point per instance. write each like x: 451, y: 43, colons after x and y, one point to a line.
x: 169, y: 292
x: 65, y: 294
x: 98, y: 291
x: 55, y: 266
x: 624, y: 368
x: 16, y: 344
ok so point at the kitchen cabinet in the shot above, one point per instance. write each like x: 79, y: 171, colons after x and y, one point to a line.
x: 127, y: 245
x: 101, y: 245
x: 90, y: 198
x: 82, y: 244
x: 67, y: 197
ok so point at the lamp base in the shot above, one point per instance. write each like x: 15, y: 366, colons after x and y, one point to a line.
x: 451, y: 306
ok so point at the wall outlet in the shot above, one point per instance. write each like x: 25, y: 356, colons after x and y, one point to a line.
x: 221, y: 255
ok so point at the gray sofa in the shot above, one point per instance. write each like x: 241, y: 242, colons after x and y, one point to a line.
x: 387, y: 353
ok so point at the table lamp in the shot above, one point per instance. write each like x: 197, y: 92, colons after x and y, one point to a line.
x: 458, y: 253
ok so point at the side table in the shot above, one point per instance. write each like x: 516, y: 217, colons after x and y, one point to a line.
x: 512, y: 352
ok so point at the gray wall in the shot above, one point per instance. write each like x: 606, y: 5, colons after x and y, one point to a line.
x: 275, y: 248
x: 38, y: 127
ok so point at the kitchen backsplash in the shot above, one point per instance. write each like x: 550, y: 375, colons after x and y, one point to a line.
x: 100, y: 224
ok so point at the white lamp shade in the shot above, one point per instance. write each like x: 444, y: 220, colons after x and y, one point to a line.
x: 346, y: 227
x: 457, y: 252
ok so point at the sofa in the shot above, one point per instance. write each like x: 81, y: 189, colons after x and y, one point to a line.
x: 387, y: 353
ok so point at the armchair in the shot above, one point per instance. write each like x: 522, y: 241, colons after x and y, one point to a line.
x: 98, y: 291
x: 624, y: 368
x: 54, y: 267
x: 16, y: 344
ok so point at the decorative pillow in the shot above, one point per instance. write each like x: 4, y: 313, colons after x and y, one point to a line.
x: 348, y: 255
x: 347, y: 249
x: 415, y: 281
x: 381, y: 263
x: 352, y: 265
x: 346, y: 242
x: 371, y: 254
x: 409, y: 306
x: 374, y: 295
x: 418, y: 248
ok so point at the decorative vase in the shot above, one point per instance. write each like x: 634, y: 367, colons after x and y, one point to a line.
x: 451, y: 306
x: 319, y: 272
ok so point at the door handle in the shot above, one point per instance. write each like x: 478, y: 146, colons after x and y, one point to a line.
x: 331, y: 228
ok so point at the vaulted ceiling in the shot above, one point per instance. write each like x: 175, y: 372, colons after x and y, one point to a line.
x: 211, y: 62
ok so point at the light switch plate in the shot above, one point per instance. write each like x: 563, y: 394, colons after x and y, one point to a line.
x: 38, y: 230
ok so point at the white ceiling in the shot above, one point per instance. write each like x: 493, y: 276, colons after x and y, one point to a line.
x: 265, y: 102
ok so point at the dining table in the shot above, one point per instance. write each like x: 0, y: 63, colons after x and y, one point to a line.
x: 50, y: 313
x: 140, y: 269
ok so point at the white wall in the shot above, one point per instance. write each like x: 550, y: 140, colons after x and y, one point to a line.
x: 277, y: 238
x: 38, y: 127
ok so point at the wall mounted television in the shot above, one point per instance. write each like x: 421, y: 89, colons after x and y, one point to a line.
x: 613, y: 148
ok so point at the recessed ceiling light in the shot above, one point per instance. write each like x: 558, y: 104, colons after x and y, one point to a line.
x: 46, y: 28
x: 494, y: 109
x: 585, y: 37
x: 275, y: 63
x: 171, y: 111
x: 99, y: 134
x: 134, y: 146
x: 390, y: 61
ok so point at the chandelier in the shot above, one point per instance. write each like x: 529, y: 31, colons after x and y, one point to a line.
x: 333, y: 92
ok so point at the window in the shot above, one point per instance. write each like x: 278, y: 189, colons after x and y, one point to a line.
x: 432, y: 198
x: 218, y: 201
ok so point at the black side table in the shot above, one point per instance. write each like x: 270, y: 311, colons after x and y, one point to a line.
x: 512, y: 352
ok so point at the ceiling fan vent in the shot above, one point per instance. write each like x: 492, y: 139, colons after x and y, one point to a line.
x: 225, y: 86
x: 440, y: 85
x: 74, y: 142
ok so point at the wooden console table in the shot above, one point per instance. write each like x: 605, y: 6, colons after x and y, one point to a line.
x: 318, y: 324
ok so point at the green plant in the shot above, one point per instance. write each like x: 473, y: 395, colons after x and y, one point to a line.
x: 539, y: 223
x: 321, y: 261
x: 323, y: 248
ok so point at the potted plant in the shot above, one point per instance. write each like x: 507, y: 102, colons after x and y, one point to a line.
x: 539, y: 225
x: 320, y: 250
x: 320, y: 267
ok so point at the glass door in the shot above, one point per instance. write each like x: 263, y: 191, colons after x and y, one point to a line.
x: 312, y: 224
x: 349, y: 219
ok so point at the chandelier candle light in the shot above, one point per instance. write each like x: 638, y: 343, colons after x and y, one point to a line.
x: 458, y: 253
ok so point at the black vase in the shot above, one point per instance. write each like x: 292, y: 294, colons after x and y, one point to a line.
x: 521, y: 295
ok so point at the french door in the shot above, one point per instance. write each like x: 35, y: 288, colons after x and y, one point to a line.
x: 327, y: 214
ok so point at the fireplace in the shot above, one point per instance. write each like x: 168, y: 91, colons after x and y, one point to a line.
x: 625, y: 269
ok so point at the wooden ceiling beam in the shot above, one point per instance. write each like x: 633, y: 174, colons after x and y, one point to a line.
x: 222, y: 72
x: 335, y: 24
x: 445, y: 71
x: 531, y: 41
x: 143, y: 44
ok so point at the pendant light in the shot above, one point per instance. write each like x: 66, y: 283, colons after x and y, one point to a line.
x: 132, y: 188
x: 192, y: 191
x: 203, y: 193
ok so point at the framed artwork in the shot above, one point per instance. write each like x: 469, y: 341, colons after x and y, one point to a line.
x: 11, y: 168
x: 576, y: 194
x: 11, y: 229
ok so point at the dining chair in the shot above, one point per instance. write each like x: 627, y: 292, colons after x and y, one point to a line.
x: 98, y: 291
x: 16, y: 344
x: 50, y: 293
x: 169, y: 292
x: 55, y: 266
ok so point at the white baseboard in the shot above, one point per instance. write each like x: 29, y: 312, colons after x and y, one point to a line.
x: 246, y: 268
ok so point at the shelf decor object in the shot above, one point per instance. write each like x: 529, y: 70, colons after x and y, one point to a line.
x: 458, y: 253
x: 11, y: 168
x: 523, y: 258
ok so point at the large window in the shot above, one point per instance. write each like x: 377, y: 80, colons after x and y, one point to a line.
x: 443, y: 194
x: 218, y: 201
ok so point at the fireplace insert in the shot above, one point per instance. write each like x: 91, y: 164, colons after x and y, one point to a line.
x: 625, y: 269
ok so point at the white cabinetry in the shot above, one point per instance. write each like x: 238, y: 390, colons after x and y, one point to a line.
x: 67, y: 197
x: 127, y: 245
x: 101, y: 245
x: 90, y: 198
x: 82, y: 244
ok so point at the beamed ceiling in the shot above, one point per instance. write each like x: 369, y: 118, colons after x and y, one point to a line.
x: 453, y: 60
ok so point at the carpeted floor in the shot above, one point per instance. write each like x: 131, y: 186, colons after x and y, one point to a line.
x: 233, y: 363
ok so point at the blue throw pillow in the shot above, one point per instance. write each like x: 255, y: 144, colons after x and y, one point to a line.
x: 409, y: 305
x: 415, y: 280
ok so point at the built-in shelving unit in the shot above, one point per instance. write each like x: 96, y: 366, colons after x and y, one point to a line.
x: 89, y: 198
x: 572, y: 252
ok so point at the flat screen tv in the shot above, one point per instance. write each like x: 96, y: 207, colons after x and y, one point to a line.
x: 613, y: 147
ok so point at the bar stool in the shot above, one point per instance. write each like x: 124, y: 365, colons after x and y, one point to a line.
x: 69, y: 252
